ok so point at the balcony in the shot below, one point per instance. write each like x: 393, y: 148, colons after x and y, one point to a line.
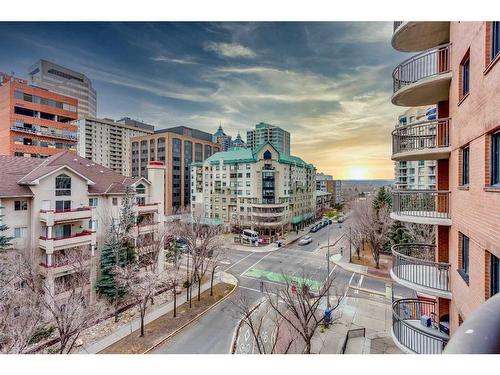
x: 413, y: 266
x: 427, y: 140
x: 60, y: 267
x: 84, y: 238
x: 147, y: 227
x: 409, y: 334
x: 421, y: 206
x: 268, y: 214
x: 412, y: 36
x: 34, y: 131
x: 51, y: 216
x: 423, y: 79
x: 147, y: 208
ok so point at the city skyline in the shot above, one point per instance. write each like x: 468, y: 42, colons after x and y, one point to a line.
x: 237, y: 74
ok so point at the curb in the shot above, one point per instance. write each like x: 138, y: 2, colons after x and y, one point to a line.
x: 236, y: 333
x: 172, y: 334
x: 363, y: 273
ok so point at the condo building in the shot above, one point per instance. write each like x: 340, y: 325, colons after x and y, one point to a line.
x: 415, y: 174
x: 64, y: 81
x: 454, y: 68
x: 222, y: 139
x: 177, y: 148
x: 64, y: 203
x: 263, y: 133
x: 262, y: 189
x: 107, y: 142
x: 325, y: 183
x: 35, y: 122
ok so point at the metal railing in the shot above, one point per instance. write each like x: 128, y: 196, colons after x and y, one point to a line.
x: 415, y: 264
x: 44, y: 134
x: 397, y: 24
x: 423, y: 135
x: 433, y: 204
x: 429, y: 63
x: 352, y: 333
x: 418, y: 340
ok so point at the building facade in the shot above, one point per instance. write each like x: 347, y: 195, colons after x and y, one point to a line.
x: 67, y: 82
x: 263, y: 133
x: 177, y: 147
x: 35, y: 122
x: 107, y: 142
x: 415, y: 174
x: 455, y: 69
x: 325, y: 183
x: 261, y: 189
x: 53, y: 207
x: 222, y: 139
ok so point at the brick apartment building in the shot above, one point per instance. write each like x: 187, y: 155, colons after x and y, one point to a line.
x: 177, y: 147
x: 456, y: 68
x: 35, y: 122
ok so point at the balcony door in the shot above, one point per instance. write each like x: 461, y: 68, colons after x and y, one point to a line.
x: 62, y: 230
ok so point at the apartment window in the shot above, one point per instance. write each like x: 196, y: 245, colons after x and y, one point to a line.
x: 464, y: 257
x: 20, y: 205
x: 495, y: 39
x: 115, y: 201
x: 63, y: 185
x: 93, y: 202
x: 140, y: 189
x: 494, y: 275
x: 465, y: 166
x: 495, y: 159
x: 20, y: 232
x: 63, y: 205
x: 464, y: 78
x: 141, y: 201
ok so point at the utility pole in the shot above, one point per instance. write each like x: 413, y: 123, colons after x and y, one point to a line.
x: 328, y: 270
x: 350, y: 244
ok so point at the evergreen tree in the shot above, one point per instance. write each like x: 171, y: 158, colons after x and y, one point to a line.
x: 4, y: 240
x: 383, y: 198
x: 399, y: 234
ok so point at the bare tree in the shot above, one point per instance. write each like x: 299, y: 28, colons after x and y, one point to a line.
x: 20, y: 303
x: 421, y: 233
x: 68, y: 304
x: 371, y: 225
x: 298, y: 306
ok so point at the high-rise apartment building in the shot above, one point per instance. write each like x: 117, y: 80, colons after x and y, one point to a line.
x: 326, y: 184
x: 262, y: 189
x: 107, y: 142
x: 263, y: 133
x: 35, y: 122
x: 64, y: 81
x: 65, y: 203
x: 177, y: 147
x: 455, y: 68
x: 415, y: 174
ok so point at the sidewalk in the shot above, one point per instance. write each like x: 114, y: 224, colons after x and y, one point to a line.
x: 289, y: 238
x: 135, y: 324
x: 343, y: 262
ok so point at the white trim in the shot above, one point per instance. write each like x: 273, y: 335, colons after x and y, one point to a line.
x: 37, y: 181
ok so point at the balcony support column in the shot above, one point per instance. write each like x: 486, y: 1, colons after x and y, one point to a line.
x: 49, y: 231
x: 49, y: 260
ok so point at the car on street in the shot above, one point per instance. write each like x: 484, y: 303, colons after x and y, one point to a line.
x: 341, y: 219
x: 305, y: 240
x: 182, y: 245
x: 314, y: 229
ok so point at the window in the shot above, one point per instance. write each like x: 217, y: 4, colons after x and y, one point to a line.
x: 63, y: 205
x: 465, y: 76
x: 20, y: 232
x: 267, y: 155
x: 465, y: 166
x: 20, y: 205
x: 495, y: 39
x: 140, y: 189
x: 63, y: 185
x: 464, y: 257
x: 141, y: 201
x: 494, y: 275
x: 495, y: 159
x: 93, y: 202
x: 115, y: 201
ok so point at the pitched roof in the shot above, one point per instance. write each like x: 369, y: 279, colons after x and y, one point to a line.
x: 17, y: 173
x: 247, y: 155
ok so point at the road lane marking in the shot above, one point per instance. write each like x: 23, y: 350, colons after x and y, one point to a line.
x: 359, y: 284
x: 242, y: 259
x: 253, y: 265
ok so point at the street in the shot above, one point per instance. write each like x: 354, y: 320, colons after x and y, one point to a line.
x: 213, y: 332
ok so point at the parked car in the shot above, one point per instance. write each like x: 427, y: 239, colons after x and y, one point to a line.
x: 314, y: 229
x: 341, y: 219
x: 182, y: 245
x: 250, y: 235
x: 305, y: 240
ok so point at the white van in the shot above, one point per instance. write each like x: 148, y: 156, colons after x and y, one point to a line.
x: 249, y: 235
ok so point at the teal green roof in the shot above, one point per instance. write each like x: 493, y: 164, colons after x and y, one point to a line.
x: 246, y: 155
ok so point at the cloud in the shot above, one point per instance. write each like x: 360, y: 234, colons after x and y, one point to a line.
x: 173, y: 60
x: 231, y: 50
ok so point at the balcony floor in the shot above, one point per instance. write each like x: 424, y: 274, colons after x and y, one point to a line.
x: 417, y: 272
x: 416, y: 217
x: 425, y: 91
x: 436, y: 153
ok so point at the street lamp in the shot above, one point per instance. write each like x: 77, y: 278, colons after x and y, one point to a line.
x: 328, y: 270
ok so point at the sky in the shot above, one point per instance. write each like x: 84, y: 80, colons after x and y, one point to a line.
x: 327, y: 83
